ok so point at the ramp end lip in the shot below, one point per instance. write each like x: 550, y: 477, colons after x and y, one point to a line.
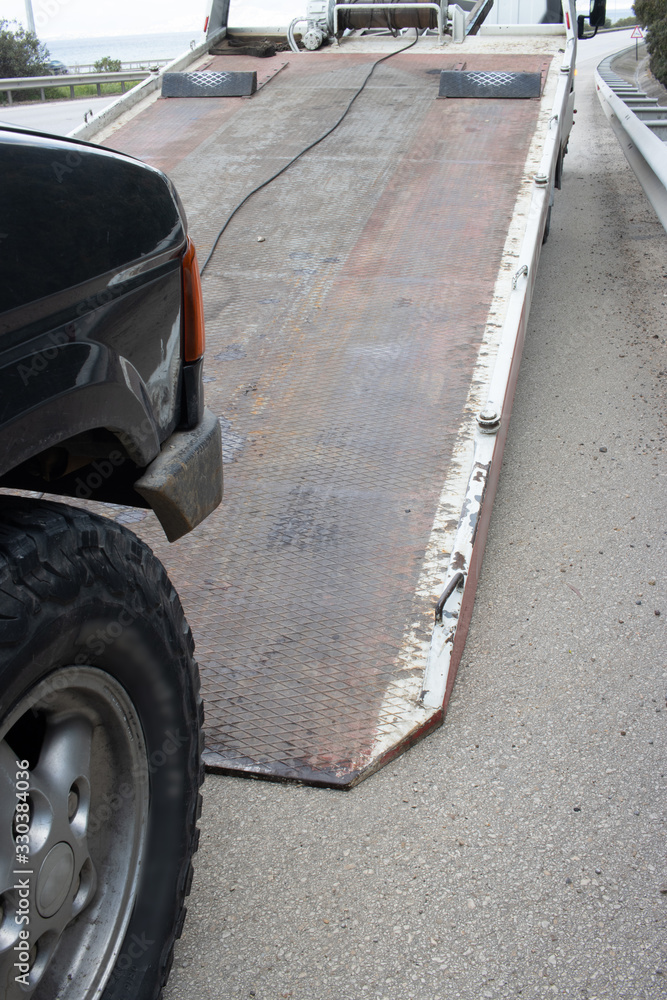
x: 216, y: 762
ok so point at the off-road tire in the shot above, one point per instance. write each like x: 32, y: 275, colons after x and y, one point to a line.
x: 84, y: 604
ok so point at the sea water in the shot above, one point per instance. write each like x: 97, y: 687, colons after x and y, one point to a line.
x: 127, y: 48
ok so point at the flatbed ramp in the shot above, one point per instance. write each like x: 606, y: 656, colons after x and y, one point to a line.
x: 346, y: 309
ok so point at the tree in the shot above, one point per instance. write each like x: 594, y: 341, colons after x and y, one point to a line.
x: 107, y: 65
x: 652, y: 15
x: 21, y: 52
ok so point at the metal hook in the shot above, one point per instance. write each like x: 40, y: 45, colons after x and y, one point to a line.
x: 455, y: 582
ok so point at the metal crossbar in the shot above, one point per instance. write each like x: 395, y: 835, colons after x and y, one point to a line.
x: 389, y: 7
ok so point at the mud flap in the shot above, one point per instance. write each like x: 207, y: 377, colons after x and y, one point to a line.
x: 184, y: 483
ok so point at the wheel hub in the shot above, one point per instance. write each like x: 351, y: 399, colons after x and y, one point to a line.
x: 86, y: 844
x: 54, y: 880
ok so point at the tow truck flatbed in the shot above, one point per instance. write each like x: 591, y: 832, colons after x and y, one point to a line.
x: 365, y: 316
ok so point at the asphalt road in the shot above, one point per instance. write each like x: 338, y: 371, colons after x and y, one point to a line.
x: 56, y: 117
x: 520, y: 850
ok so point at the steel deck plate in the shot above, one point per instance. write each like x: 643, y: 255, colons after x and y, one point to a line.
x: 340, y: 352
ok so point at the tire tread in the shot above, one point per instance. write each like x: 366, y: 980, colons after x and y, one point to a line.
x: 38, y: 540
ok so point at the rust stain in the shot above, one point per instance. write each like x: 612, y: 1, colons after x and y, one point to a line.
x: 458, y: 561
x: 335, y: 350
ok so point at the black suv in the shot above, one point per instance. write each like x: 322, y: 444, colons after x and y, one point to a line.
x: 101, y: 349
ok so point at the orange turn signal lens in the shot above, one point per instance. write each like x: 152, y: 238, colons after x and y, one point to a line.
x: 193, y: 306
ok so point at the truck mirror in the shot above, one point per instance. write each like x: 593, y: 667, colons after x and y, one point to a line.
x: 598, y: 14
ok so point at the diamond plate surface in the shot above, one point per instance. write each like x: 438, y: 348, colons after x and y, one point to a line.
x: 209, y: 78
x: 340, y: 349
x: 490, y: 83
x: 492, y: 79
x: 209, y: 83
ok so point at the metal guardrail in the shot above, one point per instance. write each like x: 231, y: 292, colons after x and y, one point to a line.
x: 114, y: 110
x: 11, y: 85
x: 145, y: 64
x: 640, y: 125
x: 623, y: 27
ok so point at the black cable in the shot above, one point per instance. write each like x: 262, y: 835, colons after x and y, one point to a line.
x: 303, y: 151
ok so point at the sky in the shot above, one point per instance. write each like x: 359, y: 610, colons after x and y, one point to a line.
x: 89, y: 18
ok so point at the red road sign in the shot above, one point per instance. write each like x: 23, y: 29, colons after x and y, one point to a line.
x: 637, y: 33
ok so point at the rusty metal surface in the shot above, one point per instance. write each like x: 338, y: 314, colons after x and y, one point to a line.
x: 339, y: 355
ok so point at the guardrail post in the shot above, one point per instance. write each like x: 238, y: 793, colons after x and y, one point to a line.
x: 42, y: 96
x: 71, y: 91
